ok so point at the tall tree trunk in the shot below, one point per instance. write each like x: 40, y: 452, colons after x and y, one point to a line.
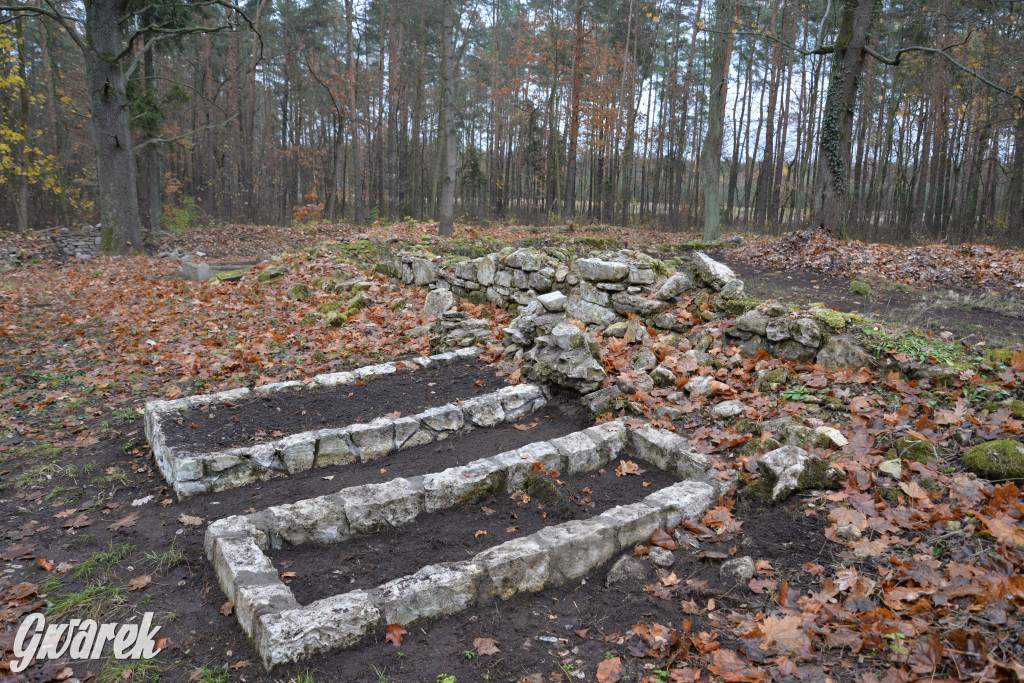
x: 1015, y: 206
x: 152, y: 152
x: 23, y: 152
x: 711, y: 151
x: 115, y: 151
x: 767, y: 170
x: 574, y: 116
x: 446, y: 211
x: 353, y: 119
x: 393, y: 105
x: 837, y: 118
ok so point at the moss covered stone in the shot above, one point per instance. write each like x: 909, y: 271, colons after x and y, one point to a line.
x: 860, y: 288
x: 912, y: 448
x: 999, y: 356
x: 747, y: 426
x: 997, y: 460
x: 298, y: 292
x: 271, y: 274
x: 736, y: 306
x: 774, y: 379
x: 818, y: 474
x: 833, y: 319
x: 230, y: 275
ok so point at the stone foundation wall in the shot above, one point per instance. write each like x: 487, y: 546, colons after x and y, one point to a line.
x: 604, y: 290
x: 600, y: 290
x: 83, y: 244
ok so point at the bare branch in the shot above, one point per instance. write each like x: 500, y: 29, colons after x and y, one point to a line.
x: 820, y: 50
x: 65, y: 21
x: 898, y: 57
x: 164, y: 141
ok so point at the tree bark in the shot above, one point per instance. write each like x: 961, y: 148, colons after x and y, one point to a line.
x: 837, y: 118
x: 574, y: 116
x: 711, y: 151
x: 1015, y: 208
x: 353, y: 123
x: 446, y: 211
x: 115, y: 152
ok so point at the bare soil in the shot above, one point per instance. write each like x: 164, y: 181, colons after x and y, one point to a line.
x: 408, y: 391
x: 921, y: 308
x: 459, y: 533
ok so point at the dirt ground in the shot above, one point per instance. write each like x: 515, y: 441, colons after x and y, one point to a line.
x: 89, y: 521
x: 971, y: 315
x: 558, y: 632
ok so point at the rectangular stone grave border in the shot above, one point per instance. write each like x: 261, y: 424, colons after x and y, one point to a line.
x: 191, y: 474
x: 285, y: 631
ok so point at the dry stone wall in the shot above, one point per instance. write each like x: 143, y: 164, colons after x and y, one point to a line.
x: 621, y: 292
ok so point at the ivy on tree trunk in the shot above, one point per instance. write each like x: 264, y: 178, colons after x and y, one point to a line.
x: 834, y: 158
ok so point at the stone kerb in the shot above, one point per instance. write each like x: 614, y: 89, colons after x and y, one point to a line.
x: 284, y: 631
x: 192, y: 474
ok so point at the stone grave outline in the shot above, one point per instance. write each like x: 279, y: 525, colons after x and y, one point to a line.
x: 284, y: 631
x: 190, y: 473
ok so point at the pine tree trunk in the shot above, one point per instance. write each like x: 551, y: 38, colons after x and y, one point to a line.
x: 711, y: 152
x: 1015, y: 206
x: 353, y: 123
x: 574, y: 116
x: 446, y: 210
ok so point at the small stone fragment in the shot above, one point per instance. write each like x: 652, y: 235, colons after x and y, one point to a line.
x: 738, y: 570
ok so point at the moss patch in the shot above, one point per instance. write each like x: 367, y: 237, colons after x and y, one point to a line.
x: 861, y: 288
x: 736, y: 306
x: 833, y: 319
x: 1016, y: 407
x: 298, y: 292
x: 999, y: 356
x: 271, y: 274
x: 997, y: 460
x: 912, y: 448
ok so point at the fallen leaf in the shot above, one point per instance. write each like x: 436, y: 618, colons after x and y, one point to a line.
x: 190, y: 520
x: 627, y: 467
x: 394, y: 633
x: 240, y: 665
x: 140, y: 582
x: 288, y: 575
x: 78, y: 522
x: 45, y: 564
x: 128, y: 520
x: 227, y: 608
x: 610, y: 670
x: 485, y: 646
x: 784, y: 634
x: 662, y: 539
x: 524, y: 428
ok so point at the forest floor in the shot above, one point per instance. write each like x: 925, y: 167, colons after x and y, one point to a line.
x: 929, y: 586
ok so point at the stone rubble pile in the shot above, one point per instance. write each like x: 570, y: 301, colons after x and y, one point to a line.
x: 622, y: 292
x: 551, y: 348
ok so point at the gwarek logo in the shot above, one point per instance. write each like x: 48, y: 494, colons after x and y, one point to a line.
x: 82, y: 639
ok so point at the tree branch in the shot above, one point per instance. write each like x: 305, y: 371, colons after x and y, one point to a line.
x: 65, y: 21
x: 898, y: 57
x: 821, y: 50
x: 164, y: 141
